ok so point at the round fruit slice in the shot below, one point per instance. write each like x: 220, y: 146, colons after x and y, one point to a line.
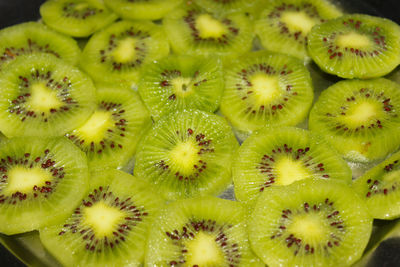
x: 41, y: 182
x: 187, y: 153
x: 78, y: 18
x: 284, y: 25
x: 379, y: 187
x: 110, y: 135
x: 142, y: 9
x: 192, y: 30
x: 226, y: 6
x: 179, y: 82
x: 41, y: 95
x: 117, y: 53
x: 33, y: 37
x: 205, y: 231
x: 356, y: 46
x: 263, y: 88
x: 281, y: 156
x: 109, y: 227
x: 310, y: 223
x: 359, y: 118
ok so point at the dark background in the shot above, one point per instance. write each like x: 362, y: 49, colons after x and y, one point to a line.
x: 17, y: 11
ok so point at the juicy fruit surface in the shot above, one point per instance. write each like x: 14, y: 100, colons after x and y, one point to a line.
x: 195, y: 31
x: 226, y: 6
x: 41, y: 182
x: 310, y: 223
x: 109, y: 137
x: 378, y: 187
x: 182, y: 82
x: 187, y: 153
x: 142, y: 9
x: 200, y: 232
x: 33, y: 37
x: 278, y: 157
x: 78, y: 18
x: 43, y: 96
x: 117, y: 53
x: 356, y: 46
x: 265, y: 89
x: 109, y: 227
x: 359, y: 118
x: 283, y: 26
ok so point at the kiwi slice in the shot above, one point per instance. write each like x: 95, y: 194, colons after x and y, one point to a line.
x: 284, y: 25
x: 226, y: 6
x: 142, y: 9
x: 78, y: 18
x: 41, y: 181
x: 187, y: 153
x: 310, y: 223
x: 43, y: 96
x: 356, y: 46
x: 264, y: 88
x: 192, y: 30
x: 280, y: 156
x: 110, y: 225
x: 33, y: 37
x: 110, y: 135
x: 205, y: 231
x: 116, y: 54
x: 379, y: 188
x: 179, y: 82
x: 359, y: 118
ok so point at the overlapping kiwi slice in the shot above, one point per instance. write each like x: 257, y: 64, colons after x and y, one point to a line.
x: 205, y: 231
x: 117, y: 53
x: 182, y: 82
x: 226, y: 6
x: 310, y: 223
x: 142, y: 9
x: 42, y: 95
x: 109, y: 227
x: 78, y: 18
x: 110, y: 135
x: 356, y: 46
x: 280, y: 156
x: 41, y: 182
x: 379, y: 187
x: 33, y: 37
x: 192, y: 30
x: 264, y: 88
x: 187, y: 153
x: 284, y: 25
x: 359, y: 118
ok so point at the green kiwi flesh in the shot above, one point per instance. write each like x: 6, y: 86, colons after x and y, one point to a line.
x: 378, y: 187
x: 205, y: 231
x: 226, y: 6
x: 142, y: 9
x: 187, y: 153
x: 356, y: 46
x: 310, y: 223
x: 192, y: 30
x: 266, y: 89
x: 43, y: 96
x: 182, y: 82
x: 117, y: 53
x: 41, y: 182
x: 284, y: 25
x: 77, y: 18
x: 110, y: 225
x: 359, y: 118
x: 280, y: 156
x: 34, y: 37
x: 109, y: 137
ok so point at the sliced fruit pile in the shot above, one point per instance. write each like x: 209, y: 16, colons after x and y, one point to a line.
x: 159, y: 90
